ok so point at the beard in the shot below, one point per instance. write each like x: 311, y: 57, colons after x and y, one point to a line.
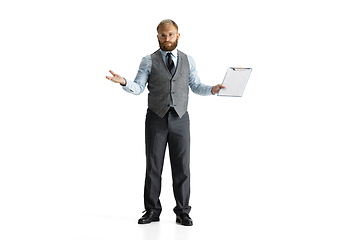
x: 168, y: 48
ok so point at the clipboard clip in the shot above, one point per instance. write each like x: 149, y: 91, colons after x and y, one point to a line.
x: 238, y: 68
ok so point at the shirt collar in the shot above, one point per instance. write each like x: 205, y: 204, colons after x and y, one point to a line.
x: 174, y: 53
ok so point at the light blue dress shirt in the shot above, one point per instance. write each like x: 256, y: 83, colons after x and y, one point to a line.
x: 138, y: 85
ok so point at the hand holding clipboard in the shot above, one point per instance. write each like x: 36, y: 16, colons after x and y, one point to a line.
x: 235, y: 82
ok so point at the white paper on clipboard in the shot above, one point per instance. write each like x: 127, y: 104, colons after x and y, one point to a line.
x: 235, y: 82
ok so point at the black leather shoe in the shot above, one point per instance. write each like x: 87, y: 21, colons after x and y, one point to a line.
x: 184, y: 219
x: 149, y: 217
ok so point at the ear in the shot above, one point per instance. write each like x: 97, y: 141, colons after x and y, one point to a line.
x: 178, y: 36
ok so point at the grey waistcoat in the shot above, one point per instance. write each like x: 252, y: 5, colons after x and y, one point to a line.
x: 163, y: 87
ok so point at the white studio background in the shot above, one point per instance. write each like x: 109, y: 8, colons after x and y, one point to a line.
x: 282, y: 162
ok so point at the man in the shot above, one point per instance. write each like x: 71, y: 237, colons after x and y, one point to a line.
x: 168, y: 74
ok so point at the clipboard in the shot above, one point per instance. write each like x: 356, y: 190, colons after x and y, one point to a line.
x: 235, y: 81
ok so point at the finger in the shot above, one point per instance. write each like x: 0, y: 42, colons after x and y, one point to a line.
x: 111, y: 79
x: 112, y: 73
